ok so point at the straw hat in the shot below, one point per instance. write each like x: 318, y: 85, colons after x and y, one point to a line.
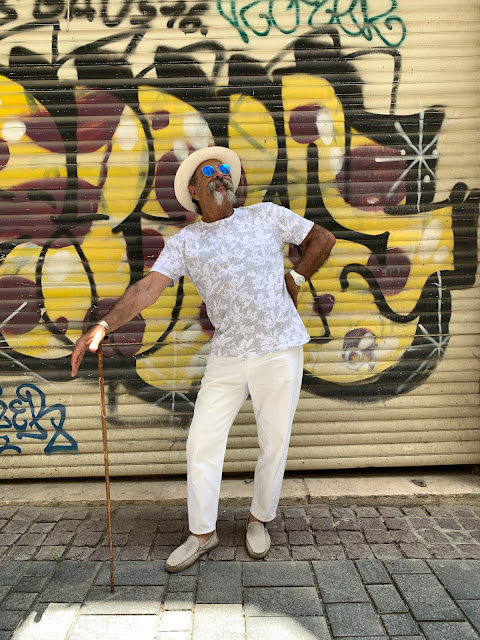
x: 186, y: 170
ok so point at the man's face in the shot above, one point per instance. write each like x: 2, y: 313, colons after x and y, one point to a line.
x: 218, y: 186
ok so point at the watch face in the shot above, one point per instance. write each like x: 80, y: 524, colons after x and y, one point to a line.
x: 298, y: 278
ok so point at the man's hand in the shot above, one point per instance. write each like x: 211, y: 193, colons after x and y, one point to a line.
x: 91, y: 339
x: 292, y: 288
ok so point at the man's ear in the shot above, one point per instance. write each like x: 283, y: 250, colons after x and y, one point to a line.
x: 192, y: 190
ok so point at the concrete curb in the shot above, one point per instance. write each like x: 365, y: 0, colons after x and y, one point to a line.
x: 364, y: 488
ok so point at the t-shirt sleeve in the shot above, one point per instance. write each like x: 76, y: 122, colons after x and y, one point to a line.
x: 292, y: 228
x: 171, y: 261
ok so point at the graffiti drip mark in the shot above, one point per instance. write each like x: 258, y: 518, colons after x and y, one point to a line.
x: 28, y: 413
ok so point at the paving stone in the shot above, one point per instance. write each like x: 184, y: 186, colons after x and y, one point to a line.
x: 300, y: 537
x: 300, y: 628
x: 436, y: 511
x: 56, y: 538
x: 353, y: 619
x: 296, y: 524
x: 118, y: 540
x: 277, y: 554
x: 378, y: 536
x: 343, y: 513
x: 87, y: 538
x: 241, y: 555
x: 433, y: 536
x: 47, y: 622
x: 70, y: 582
x: 322, y: 524
x: 31, y: 584
x: 338, y: 581
x: 3, y: 592
x: 279, y: 537
x: 31, y: 539
x: 372, y: 523
x: 463, y: 512
x: 279, y: 574
x: 40, y: 568
x: 175, y: 621
x: 448, y: 631
x: 347, y: 525
x: 8, y: 512
x: 282, y: 601
x: 21, y: 553
x: 333, y: 552
x: 400, y: 624
x: 401, y: 638
x: 348, y: 537
x: 403, y: 536
x: 3, y: 551
x: 426, y: 598
x: 6, y: 539
x: 218, y: 622
x: 11, y: 572
x: 326, y: 537
x: 372, y: 572
x: 166, y: 526
x: 180, y: 582
x: 415, y: 550
x: 130, y: 573
x: 50, y: 515
x: 99, y: 627
x: 461, y: 578
x: 356, y: 551
x: 134, y: 553
x: 397, y: 523
x: 414, y: 511
x: 446, y: 551
x: 5, y: 635
x: 124, y: 601
x: 386, y: 598
x: 366, y: 512
x: 222, y: 553
x: 420, y: 523
x: 178, y: 601
x: 447, y: 523
x: 161, y: 552
x: 390, y: 512
x: 17, y: 601
x: 308, y: 552
x: 219, y: 583
x: 66, y: 526
x: 16, y: 526
x: 10, y: 619
x: 318, y: 512
x: 471, y: 608
x: 385, y: 551
x: 294, y: 512
x: 407, y: 566
x: 50, y: 553
x: 169, y: 539
x: 78, y: 553
x: 469, y: 550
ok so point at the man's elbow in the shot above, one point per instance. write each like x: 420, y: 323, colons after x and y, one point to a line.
x: 325, y: 238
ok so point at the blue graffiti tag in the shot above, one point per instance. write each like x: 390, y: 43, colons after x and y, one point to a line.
x: 353, y: 17
x: 26, y: 413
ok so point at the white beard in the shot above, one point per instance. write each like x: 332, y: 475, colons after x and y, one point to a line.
x: 219, y: 197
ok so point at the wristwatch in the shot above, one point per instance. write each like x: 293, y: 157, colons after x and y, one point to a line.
x: 297, y: 277
x: 104, y: 324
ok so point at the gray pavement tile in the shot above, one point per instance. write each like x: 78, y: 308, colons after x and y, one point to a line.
x: 281, y: 601
x: 10, y: 619
x: 448, y: 631
x: 31, y: 584
x: 301, y: 628
x: 125, y: 600
x: 180, y: 582
x: 399, y: 624
x: 129, y: 573
x: 353, y: 619
x: 118, y: 627
x: 386, y: 598
x: 175, y: 621
x: 5, y: 635
x: 471, y: 608
x: 11, y: 571
x: 18, y: 601
x: 47, y: 622
x: 400, y: 638
x: 338, y: 581
x: 220, y: 583
x: 40, y: 568
x: 179, y: 601
x: 363, y: 637
x: 70, y: 582
x: 426, y: 598
x: 278, y: 574
x: 407, y: 566
x: 218, y: 622
x: 460, y: 577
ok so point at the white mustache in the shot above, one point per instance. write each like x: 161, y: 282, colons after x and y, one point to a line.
x: 213, y: 186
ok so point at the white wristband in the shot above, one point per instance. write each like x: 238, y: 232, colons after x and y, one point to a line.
x: 104, y: 324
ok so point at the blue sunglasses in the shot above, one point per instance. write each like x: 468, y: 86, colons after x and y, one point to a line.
x: 208, y: 170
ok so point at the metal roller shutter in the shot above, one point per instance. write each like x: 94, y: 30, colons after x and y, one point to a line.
x: 365, y: 122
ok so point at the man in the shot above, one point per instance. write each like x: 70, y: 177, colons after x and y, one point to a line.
x: 235, y: 259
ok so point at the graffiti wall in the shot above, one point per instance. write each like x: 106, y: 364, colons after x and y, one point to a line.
x: 361, y: 116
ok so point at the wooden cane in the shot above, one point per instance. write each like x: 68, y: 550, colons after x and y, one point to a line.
x: 101, y: 384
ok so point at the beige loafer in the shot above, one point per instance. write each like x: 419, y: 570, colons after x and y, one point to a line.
x: 189, y: 552
x: 258, y: 539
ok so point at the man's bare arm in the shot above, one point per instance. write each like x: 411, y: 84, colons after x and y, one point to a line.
x: 317, y: 246
x: 136, y: 298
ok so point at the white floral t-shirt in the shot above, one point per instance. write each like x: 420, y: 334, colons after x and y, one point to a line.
x: 236, y: 265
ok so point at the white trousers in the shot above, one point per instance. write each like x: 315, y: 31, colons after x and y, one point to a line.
x: 274, y: 383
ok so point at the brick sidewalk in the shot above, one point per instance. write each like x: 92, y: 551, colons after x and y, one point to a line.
x: 348, y: 573
x: 298, y: 533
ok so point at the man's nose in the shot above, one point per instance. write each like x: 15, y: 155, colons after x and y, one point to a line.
x: 218, y: 173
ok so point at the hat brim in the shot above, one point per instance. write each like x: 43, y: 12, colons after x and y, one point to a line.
x: 186, y: 170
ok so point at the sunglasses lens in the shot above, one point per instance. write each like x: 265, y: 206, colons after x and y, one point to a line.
x: 208, y: 170
x: 225, y: 169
